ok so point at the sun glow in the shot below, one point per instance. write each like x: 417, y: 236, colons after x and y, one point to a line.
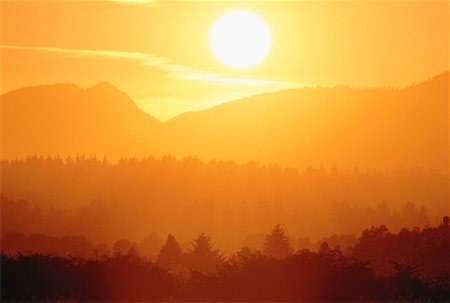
x: 240, y: 39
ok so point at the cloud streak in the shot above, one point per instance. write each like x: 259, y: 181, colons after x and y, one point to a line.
x: 130, y: 2
x: 170, y: 68
x: 135, y: 2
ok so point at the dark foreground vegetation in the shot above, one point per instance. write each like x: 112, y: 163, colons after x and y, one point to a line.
x: 305, y: 276
x: 409, y: 266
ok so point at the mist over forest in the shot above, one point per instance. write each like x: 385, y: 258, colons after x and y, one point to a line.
x: 235, y: 203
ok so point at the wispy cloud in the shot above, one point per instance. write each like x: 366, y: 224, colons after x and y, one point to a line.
x: 170, y: 68
x: 131, y: 2
x: 135, y: 2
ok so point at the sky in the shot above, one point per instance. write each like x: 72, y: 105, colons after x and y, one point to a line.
x: 158, y: 51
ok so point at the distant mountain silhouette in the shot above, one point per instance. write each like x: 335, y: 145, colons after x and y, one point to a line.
x: 371, y: 128
x: 67, y: 120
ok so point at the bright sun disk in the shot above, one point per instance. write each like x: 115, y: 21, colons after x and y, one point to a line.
x: 240, y: 39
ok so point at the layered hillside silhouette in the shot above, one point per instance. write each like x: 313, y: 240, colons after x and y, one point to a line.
x: 87, y: 205
x: 63, y: 119
x: 232, y: 202
x: 371, y: 128
x: 380, y: 128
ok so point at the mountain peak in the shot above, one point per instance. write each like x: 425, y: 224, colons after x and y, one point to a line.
x: 104, y: 86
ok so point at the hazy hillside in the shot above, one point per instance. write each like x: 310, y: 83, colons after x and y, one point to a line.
x: 372, y: 128
x: 67, y: 120
x: 378, y: 128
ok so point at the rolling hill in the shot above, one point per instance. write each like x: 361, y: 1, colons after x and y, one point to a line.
x: 63, y: 119
x: 382, y: 128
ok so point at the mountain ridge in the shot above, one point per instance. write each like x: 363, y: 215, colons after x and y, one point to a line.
x: 105, y: 84
x: 66, y: 119
x: 439, y: 77
x: 340, y: 125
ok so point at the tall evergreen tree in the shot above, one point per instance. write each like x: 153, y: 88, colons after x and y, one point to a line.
x: 203, y: 257
x: 170, y: 253
x: 276, y: 244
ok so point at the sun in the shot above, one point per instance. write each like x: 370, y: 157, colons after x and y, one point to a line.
x: 240, y: 39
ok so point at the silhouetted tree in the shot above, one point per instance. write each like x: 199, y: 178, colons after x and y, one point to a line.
x: 170, y: 253
x: 203, y: 257
x: 276, y: 244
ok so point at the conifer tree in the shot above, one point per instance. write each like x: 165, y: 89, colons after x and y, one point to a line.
x: 170, y: 253
x: 276, y: 244
x: 203, y: 257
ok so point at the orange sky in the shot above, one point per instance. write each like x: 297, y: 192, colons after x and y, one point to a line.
x: 159, y: 54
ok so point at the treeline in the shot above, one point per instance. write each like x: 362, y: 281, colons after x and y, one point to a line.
x: 83, y: 196
x: 426, y: 248
x: 425, y: 251
x: 103, y: 223
x: 418, y: 261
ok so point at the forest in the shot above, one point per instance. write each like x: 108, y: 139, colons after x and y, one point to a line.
x: 236, y: 203
x: 222, y: 151
x: 167, y: 229
x: 411, y: 265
